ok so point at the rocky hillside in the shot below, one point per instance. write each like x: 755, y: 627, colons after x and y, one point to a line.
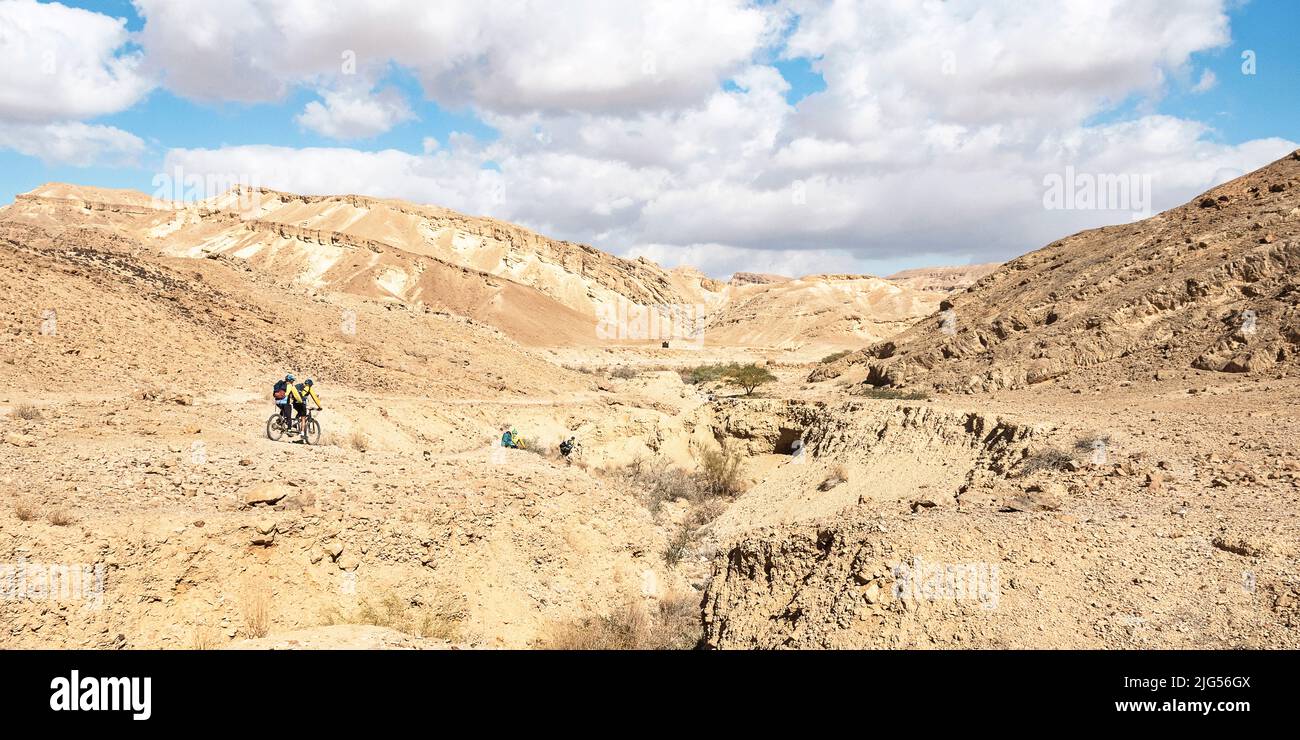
x: 828, y: 311
x: 943, y: 279
x: 1211, y: 285
x: 539, y: 291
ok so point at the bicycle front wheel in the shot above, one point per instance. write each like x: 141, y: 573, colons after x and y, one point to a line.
x: 312, y: 437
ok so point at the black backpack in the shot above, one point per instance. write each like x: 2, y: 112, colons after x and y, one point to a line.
x: 281, y: 390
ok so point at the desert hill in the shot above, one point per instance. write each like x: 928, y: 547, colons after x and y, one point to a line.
x: 1210, y: 285
x: 539, y: 291
x: 823, y: 311
x: 943, y: 279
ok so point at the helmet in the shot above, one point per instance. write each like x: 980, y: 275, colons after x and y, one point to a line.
x: 309, y: 381
x: 289, y: 377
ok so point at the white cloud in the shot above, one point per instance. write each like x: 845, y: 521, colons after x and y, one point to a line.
x: 933, y: 136
x: 502, y: 55
x: 352, y: 113
x: 59, y: 63
x: 73, y: 143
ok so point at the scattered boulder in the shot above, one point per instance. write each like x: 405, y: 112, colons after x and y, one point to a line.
x: 265, y: 494
x: 18, y: 439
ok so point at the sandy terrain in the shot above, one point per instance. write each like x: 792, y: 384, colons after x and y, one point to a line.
x: 1080, y: 448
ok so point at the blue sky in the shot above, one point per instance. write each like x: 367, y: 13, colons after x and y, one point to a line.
x: 1242, y: 114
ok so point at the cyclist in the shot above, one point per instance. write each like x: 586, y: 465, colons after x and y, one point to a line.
x: 281, y: 394
x: 298, y: 395
x: 566, y: 447
x: 510, y: 438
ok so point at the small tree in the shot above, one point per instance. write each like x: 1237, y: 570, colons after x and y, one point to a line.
x: 749, y: 376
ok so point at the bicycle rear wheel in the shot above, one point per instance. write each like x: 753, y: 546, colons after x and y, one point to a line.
x: 275, y: 427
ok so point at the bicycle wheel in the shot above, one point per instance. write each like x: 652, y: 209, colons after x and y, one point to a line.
x: 312, y: 437
x: 275, y: 428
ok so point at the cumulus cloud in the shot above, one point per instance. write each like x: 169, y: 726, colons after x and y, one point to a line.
x: 73, y: 143
x: 501, y: 55
x: 664, y: 130
x: 59, y: 63
x: 355, y: 114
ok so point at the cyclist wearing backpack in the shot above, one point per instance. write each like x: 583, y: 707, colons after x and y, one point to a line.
x: 298, y: 395
x: 281, y: 394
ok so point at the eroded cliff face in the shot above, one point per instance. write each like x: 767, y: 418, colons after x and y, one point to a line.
x: 1211, y: 284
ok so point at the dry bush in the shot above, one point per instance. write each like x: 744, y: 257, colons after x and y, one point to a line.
x: 889, y: 394
x: 205, y: 637
x: 675, y: 625
x: 623, y: 372
x: 359, y: 441
x: 550, y: 451
x: 721, y: 472
x: 257, y: 611
x: 839, y: 474
x: 679, y: 547
x: 655, y: 482
x: 26, y: 510
x: 705, y: 511
x: 439, y: 622
x: 1046, y: 458
x: 832, y: 357
x: 26, y: 412
x: 60, y: 517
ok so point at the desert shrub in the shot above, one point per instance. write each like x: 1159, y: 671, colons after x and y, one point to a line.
x: 673, y: 625
x: 721, y: 471
x: 832, y: 357
x: 890, y: 394
x: 205, y: 637
x: 256, y: 607
x: 359, y: 441
x: 26, y: 412
x: 26, y: 510
x: 60, y: 517
x: 623, y: 372
x: 705, y: 510
x: 440, y: 622
x: 705, y: 373
x: 548, y: 450
x: 656, y: 482
x: 679, y: 546
x: 1046, y: 458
